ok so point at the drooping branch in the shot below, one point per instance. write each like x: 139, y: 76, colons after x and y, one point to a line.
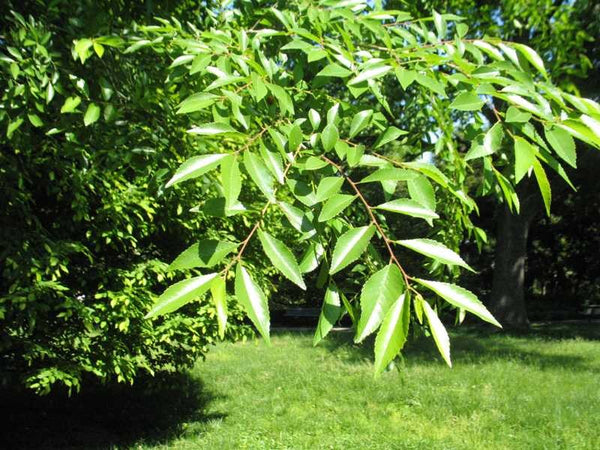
x: 262, y: 213
x: 374, y: 221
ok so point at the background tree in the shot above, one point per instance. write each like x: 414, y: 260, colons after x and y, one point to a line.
x: 84, y: 223
x: 564, y: 35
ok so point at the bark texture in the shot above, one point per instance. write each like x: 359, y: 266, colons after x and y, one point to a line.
x: 507, y: 300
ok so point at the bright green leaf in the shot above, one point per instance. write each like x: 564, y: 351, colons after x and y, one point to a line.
x: 435, y: 250
x: 205, y: 253
x: 181, y: 293
x: 467, y: 101
x: 92, y: 114
x: 461, y: 298
x: 282, y: 258
x: 393, y: 333
x: 439, y: 333
x: 329, y: 137
x: 254, y: 301
x: 330, y: 313
x: 408, y: 207
x: 195, y: 167
x: 218, y: 291
x: 379, y: 292
x: 360, y: 121
x: 350, y: 246
x: 335, y: 205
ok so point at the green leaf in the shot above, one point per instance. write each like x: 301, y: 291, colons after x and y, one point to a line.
x: 360, y: 122
x: 461, y: 298
x: 181, y: 60
x: 254, y: 301
x: 430, y: 171
x: 297, y: 218
x: 333, y: 113
x: 515, y: 115
x: 532, y: 57
x: 577, y: 129
x: 334, y: 70
x: 92, y: 114
x: 328, y: 186
x: 259, y: 174
x: 35, y: 120
x: 314, y: 163
x: 311, y: 258
x: 491, y: 143
x: 197, y: 102
x: 218, y: 291
x: 421, y: 191
x: 524, y: 157
x: 210, y: 129
x: 274, y: 163
x: 392, y: 334
x: 315, y: 118
x: 302, y: 191
x: 544, y: 185
x: 195, y: 167
x: 431, y: 83
x: 391, y: 134
x: 467, y: 101
x: 405, y: 77
x: 350, y: 246
x: 70, y: 105
x: 439, y: 333
x: 563, y: 144
x: 294, y: 138
x: 335, y: 205
x: 285, y: 101
x: 82, y: 47
x: 408, y: 207
x: 13, y: 126
x: 49, y: 93
x: 354, y: 154
x: 282, y: 258
x: 181, y: 293
x: 205, y: 253
x: 370, y: 74
x: 330, y: 313
x: 390, y: 174
x: 435, y: 250
x: 329, y: 137
x: 380, y: 291
x: 231, y: 180
x: 259, y: 88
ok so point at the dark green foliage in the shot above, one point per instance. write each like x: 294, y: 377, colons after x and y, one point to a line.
x: 84, y: 223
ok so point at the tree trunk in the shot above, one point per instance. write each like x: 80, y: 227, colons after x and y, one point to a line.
x: 507, y: 300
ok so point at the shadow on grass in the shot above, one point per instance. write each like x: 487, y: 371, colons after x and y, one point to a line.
x: 152, y: 411
x: 478, y: 345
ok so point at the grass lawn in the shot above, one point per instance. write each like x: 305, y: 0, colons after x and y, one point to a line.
x: 541, y: 391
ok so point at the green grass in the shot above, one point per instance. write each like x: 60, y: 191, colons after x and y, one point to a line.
x: 503, y: 392
x: 531, y: 391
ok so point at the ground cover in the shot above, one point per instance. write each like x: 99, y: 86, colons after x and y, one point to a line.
x: 505, y: 391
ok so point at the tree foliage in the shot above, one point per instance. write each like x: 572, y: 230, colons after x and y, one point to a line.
x: 84, y: 220
x: 328, y: 110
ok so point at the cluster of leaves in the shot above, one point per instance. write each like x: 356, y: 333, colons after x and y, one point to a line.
x: 84, y: 222
x: 305, y: 99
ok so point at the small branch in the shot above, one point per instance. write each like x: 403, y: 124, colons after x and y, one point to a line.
x: 263, y: 211
x: 374, y: 221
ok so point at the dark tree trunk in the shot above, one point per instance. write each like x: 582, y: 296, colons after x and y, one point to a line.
x: 507, y: 300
